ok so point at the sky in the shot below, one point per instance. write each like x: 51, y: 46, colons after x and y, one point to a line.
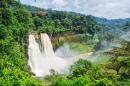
x: 110, y: 9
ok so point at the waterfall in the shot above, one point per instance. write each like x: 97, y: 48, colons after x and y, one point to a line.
x: 34, y: 54
x: 46, y: 43
x: 42, y: 57
x: 40, y: 60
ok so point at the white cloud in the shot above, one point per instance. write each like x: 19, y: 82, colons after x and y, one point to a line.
x: 59, y: 3
x: 101, y: 8
x: 42, y: 4
x: 75, y: 3
x: 109, y: 9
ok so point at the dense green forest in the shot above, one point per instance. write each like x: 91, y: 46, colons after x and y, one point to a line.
x: 112, y: 26
x: 83, y: 33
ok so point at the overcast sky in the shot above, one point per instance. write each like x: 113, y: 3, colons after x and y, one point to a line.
x: 111, y: 9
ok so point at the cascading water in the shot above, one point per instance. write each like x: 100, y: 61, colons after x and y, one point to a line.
x: 46, y: 43
x: 34, y: 55
x: 40, y: 61
x: 42, y: 58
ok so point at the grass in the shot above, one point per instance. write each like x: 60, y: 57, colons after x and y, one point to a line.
x: 82, y: 48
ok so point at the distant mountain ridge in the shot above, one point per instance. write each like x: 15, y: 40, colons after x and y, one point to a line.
x: 98, y: 19
x: 105, y: 20
x: 110, y: 26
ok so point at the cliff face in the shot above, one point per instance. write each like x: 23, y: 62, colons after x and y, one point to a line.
x: 78, y: 42
x: 36, y: 35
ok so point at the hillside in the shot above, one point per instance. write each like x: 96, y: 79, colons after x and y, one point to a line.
x: 112, y: 26
x: 82, y: 33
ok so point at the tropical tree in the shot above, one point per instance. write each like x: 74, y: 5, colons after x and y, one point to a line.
x: 120, y: 57
x: 80, y: 67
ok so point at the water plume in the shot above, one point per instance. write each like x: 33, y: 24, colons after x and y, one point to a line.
x: 126, y: 36
x: 46, y: 43
x: 64, y: 51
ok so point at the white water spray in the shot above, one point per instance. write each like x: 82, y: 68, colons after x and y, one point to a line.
x: 46, y: 43
x: 34, y: 54
x: 42, y: 60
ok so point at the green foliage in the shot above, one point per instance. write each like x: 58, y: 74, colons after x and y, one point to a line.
x: 126, y: 26
x: 83, y: 33
x: 102, y: 82
x: 82, y: 81
x: 120, y: 56
x: 118, y: 63
x: 61, y: 81
x: 63, y: 21
x: 120, y: 51
x: 22, y: 15
x: 13, y: 64
x: 11, y: 76
x: 80, y: 67
x: 120, y: 59
x: 85, y: 74
x: 125, y: 83
x: 3, y: 32
x: 82, y: 48
x: 113, y: 26
x: 85, y: 67
x: 96, y: 38
x: 50, y: 79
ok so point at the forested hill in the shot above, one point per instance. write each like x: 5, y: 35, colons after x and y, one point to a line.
x: 82, y: 32
x: 116, y: 21
x: 93, y: 29
x: 61, y: 21
x: 112, y: 26
x: 66, y: 27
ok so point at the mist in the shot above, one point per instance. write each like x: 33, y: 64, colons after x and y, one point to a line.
x: 42, y: 58
x: 126, y: 36
x: 64, y: 51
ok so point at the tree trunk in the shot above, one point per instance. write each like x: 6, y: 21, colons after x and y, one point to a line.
x: 117, y: 71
